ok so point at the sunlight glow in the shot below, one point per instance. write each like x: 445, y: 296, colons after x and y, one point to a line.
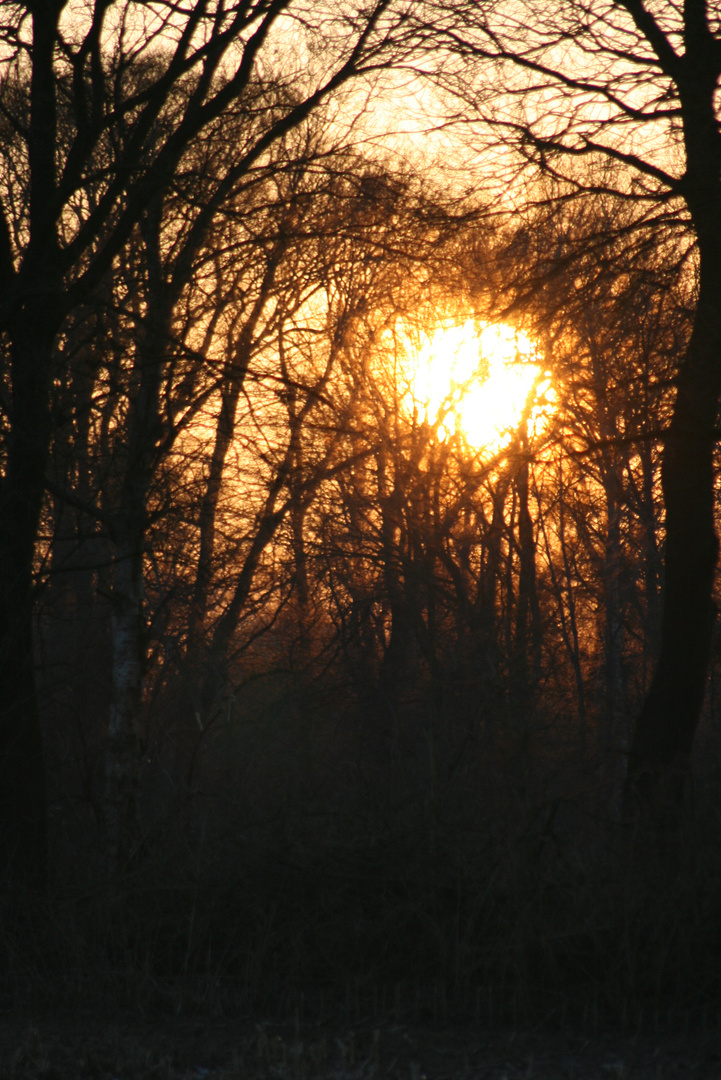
x: 477, y: 385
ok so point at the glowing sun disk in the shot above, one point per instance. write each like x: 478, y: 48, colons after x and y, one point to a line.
x: 477, y: 385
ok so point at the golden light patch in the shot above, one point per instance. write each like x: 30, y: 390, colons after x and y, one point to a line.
x: 477, y: 383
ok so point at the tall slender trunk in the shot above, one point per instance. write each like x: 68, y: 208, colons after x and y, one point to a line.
x: 34, y: 315
x: 224, y: 432
x: 652, y: 562
x: 124, y: 747
x: 615, y: 735
x: 397, y: 645
x: 124, y: 736
x: 22, y: 772
x: 123, y: 758
x: 485, y: 613
x: 236, y: 369
x: 298, y: 511
x: 215, y: 682
x: 528, y: 612
x: 568, y: 623
x: 660, y: 751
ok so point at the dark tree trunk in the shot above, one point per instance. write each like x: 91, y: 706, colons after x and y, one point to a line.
x: 22, y: 771
x: 31, y: 320
x: 614, y: 737
x: 124, y: 735
x: 145, y: 427
x: 528, y: 615
x: 660, y: 751
x: 224, y: 432
x: 240, y: 354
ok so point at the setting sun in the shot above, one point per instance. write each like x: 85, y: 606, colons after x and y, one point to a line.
x: 477, y: 384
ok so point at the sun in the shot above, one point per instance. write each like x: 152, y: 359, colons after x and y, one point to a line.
x: 477, y: 382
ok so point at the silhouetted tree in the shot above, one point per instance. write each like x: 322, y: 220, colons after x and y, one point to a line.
x: 622, y: 98
x: 99, y: 134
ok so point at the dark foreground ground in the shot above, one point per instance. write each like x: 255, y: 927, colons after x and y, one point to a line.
x: 136, y: 1048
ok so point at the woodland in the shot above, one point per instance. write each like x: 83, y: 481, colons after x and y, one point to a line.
x: 316, y: 695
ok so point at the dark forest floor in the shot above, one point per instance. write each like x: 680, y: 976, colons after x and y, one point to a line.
x: 126, y: 1047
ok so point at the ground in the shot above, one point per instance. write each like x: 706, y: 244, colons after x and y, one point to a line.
x: 76, y: 1047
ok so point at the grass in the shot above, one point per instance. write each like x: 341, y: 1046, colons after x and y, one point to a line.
x: 525, y: 922
x: 310, y: 900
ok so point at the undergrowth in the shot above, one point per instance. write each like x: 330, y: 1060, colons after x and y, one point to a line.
x: 541, y: 914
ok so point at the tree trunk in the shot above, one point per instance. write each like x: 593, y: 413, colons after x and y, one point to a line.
x: 485, y: 609
x: 240, y: 353
x: 144, y: 428
x: 652, y: 558
x: 32, y: 318
x: 22, y: 772
x: 224, y: 432
x: 124, y: 736
x: 660, y: 751
x: 615, y: 736
x: 568, y: 624
x: 528, y: 612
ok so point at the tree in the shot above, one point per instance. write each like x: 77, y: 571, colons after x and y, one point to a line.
x: 101, y: 107
x: 247, y: 344
x: 613, y: 316
x: 617, y: 97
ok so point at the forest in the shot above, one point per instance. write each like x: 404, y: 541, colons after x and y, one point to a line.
x: 361, y: 365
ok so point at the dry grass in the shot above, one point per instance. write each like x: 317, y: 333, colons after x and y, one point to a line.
x: 531, y: 925
x: 321, y: 929
x: 75, y: 1047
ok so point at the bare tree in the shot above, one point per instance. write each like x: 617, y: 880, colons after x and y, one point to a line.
x: 612, y: 315
x: 90, y: 101
x: 621, y: 97
x: 246, y: 343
